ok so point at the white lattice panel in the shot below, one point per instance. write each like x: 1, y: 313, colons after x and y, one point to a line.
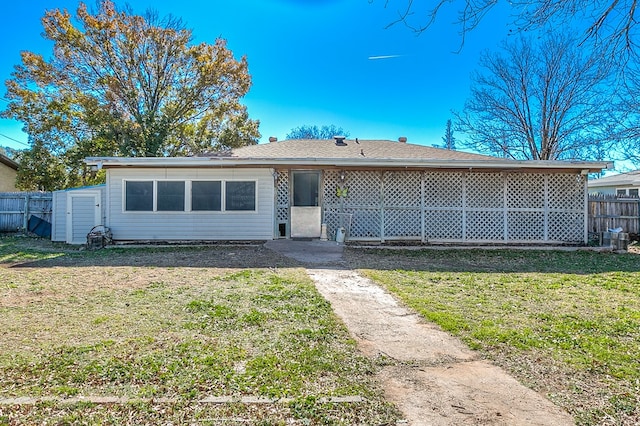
x: 283, y: 188
x: 334, y: 220
x: 443, y: 189
x: 365, y: 223
x: 484, y: 225
x: 566, y: 226
x: 402, y: 223
x: 282, y: 214
x: 282, y: 196
x: 484, y: 190
x: 525, y: 190
x: 402, y: 189
x: 566, y: 191
x: 525, y: 226
x: 363, y: 188
x: 443, y: 225
x: 396, y: 196
x: 331, y: 180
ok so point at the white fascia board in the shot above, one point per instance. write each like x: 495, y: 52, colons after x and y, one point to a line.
x: 109, y: 162
x: 619, y: 181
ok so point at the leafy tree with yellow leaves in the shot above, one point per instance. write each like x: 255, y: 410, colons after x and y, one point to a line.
x: 129, y: 85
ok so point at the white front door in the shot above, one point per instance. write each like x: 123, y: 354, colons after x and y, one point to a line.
x: 306, y: 214
x: 83, y: 213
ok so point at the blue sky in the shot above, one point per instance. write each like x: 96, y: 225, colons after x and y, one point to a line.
x: 310, y: 61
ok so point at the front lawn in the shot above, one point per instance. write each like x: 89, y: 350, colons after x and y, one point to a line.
x: 565, y: 323
x: 162, y: 330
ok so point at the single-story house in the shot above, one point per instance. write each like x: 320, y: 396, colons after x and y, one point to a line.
x: 8, y: 174
x: 367, y: 190
x: 619, y: 184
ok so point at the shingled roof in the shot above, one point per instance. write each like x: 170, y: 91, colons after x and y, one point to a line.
x: 351, y: 149
x: 350, y: 153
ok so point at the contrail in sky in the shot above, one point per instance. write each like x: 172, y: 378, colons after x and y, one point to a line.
x: 373, y: 58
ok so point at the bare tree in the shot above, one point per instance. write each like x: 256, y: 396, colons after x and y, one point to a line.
x: 543, y: 101
x: 630, y: 132
x: 611, y: 23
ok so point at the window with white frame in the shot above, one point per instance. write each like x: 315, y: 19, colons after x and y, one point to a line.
x: 170, y: 196
x: 631, y: 192
x: 139, y: 196
x: 240, y: 196
x: 189, y: 195
x: 206, y: 195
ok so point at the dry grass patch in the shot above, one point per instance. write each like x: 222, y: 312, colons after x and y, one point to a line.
x: 156, y: 323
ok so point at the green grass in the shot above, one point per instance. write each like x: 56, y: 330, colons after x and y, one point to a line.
x: 25, y: 249
x: 174, y: 332
x: 566, y: 323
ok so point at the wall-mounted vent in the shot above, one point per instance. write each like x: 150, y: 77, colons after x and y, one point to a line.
x: 340, y: 140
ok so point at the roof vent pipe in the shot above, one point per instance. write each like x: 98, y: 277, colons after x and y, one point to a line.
x: 340, y: 140
x: 273, y: 139
x: 402, y: 139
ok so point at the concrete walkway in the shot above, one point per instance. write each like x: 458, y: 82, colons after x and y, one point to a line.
x: 431, y: 376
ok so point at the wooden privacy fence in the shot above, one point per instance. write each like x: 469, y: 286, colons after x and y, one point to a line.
x: 611, y: 212
x: 16, y: 208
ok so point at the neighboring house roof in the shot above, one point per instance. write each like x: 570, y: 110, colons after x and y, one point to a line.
x: 621, y: 179
x: 363, y: 153
x: 8, y: 162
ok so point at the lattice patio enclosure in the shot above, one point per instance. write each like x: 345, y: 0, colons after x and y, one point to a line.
x: 449, y: 206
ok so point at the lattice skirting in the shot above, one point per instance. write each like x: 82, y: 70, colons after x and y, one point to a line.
x: 449, y: 206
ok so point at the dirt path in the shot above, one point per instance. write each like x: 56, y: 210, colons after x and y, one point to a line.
x: 432, y: 377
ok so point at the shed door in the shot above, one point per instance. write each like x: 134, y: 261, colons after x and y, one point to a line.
x: 306, y: 215
x: 83, y: 213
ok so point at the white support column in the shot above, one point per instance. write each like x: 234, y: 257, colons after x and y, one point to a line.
x: 464, y: 206
x: 423, y: 232
x: 381, y: 205
x: 505, y: 210
x: 546, y: 207
x: 585, y: 189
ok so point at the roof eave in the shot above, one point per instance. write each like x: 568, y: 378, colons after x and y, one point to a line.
x: 9, y: 162
x: 111, y: 162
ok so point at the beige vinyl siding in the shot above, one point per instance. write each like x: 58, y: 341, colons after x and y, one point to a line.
x: 7, y: 178
x: 191, y: 225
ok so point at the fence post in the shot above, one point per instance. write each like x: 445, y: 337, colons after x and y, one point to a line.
x: 25, y: 217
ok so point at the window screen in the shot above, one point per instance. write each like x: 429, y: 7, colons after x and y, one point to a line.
x: 621, y: 191
x: 206, y: 196
x: 170, y: 196
x: 240, y: 195
x: 139, y: 196
x: 305, y: 189
x: 633, y: 192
